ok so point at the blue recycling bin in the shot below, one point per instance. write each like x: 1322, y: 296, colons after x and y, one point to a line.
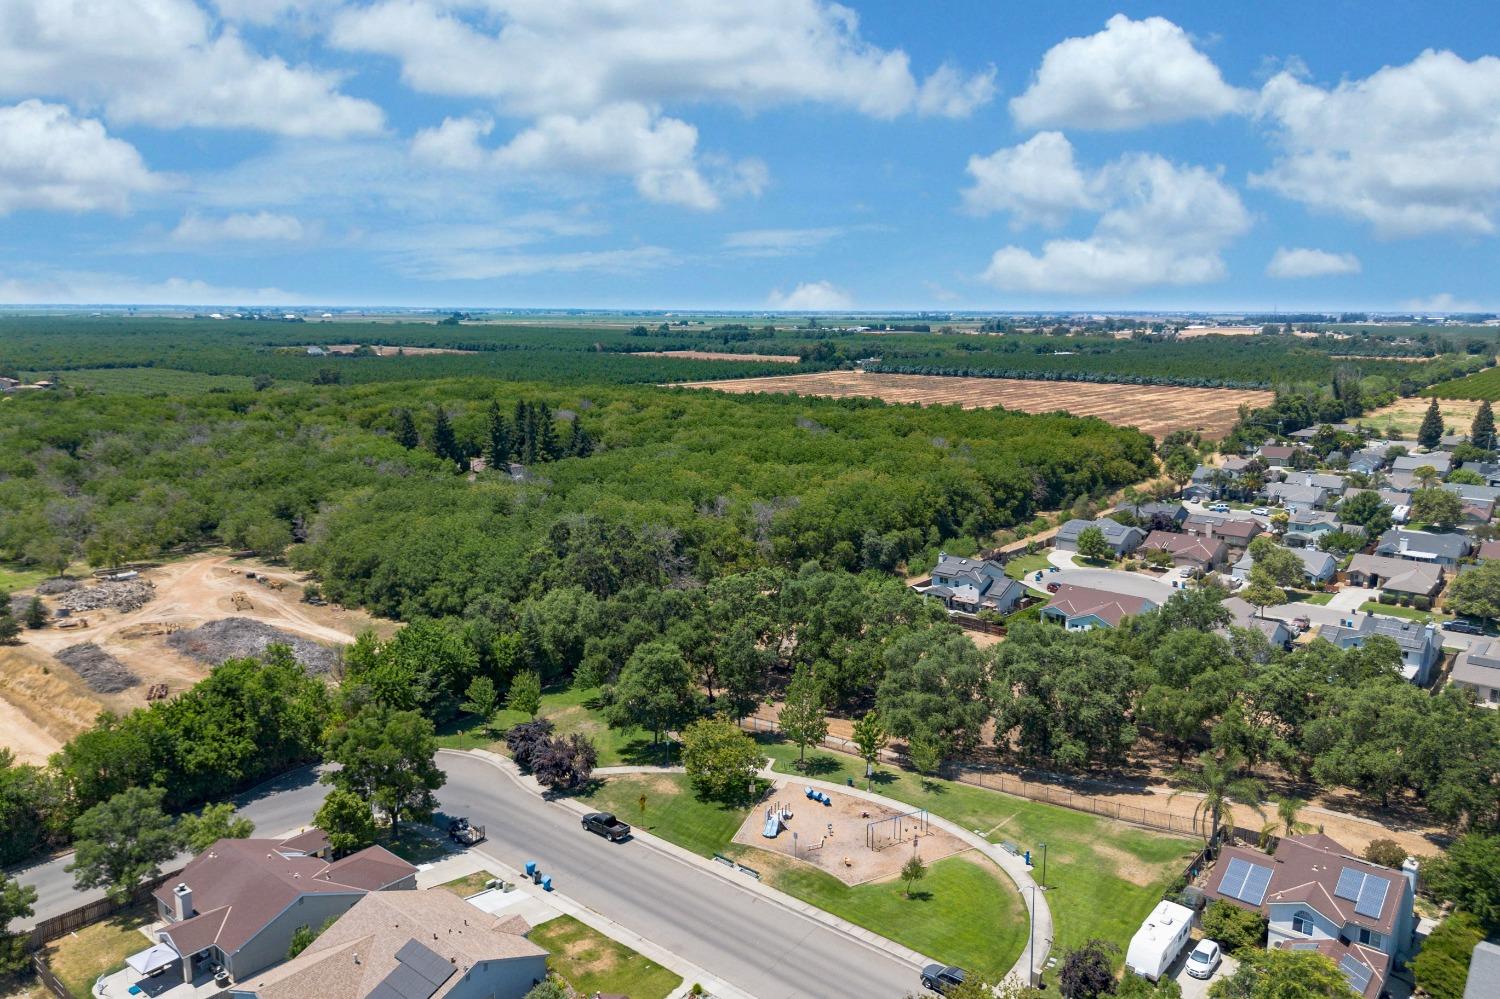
x: 546, y: 884
x: 530, y: 868
x: 1028, y: 858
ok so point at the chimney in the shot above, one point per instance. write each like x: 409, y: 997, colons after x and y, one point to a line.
x: 1409, y: 868
x: 182, y: 901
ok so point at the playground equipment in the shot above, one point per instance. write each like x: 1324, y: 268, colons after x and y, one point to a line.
x: 776, y: 820
x: 893, y: 829
x: 818, y: 796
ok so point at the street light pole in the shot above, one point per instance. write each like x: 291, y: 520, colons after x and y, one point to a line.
x: 1044, y: 865
x: 1031, y: 948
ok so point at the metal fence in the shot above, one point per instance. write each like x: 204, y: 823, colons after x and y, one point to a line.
x: 1049, y: 793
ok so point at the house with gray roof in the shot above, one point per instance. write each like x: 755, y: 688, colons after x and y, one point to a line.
x: 1242, y: 615
x: 1317, y: 567
x: 1466, y: 491
x: 1308, y: 433
x: 1477, y: 668
x: 1175, y: 512
x: 970, y: 585
x: 1420, y: 644
x: 1122, y: 540
x: 1490, y: 470
x: 1442, y: 461
x: 1290, y: 494
x: 1444, y: 549
x: 1396, y: 575
x: 1484, y: 971
x: 1277, y: 455
x: 1367, y: 460
x: 1305, y: 527
x: 1333, y: 485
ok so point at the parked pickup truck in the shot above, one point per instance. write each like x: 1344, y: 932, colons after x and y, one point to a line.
x: 461, y: 831
x: 606, y: 825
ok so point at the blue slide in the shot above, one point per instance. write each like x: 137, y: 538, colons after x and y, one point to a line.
x: 773, y: 826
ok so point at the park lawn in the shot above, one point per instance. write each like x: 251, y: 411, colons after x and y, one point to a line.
x: 1103, y: 877
x: 672, y: 812
x: 18, y: 577
x: 79, y: 958
x: 469, y: 884
x: 1024, y: 565
x: 1410, y: 613
x: 964, y: 912
x: 571, y: 710
x: 590, y: 962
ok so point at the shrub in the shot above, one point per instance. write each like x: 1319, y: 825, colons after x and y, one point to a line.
x: 1387, y: 598
x: 526, y: 739
x: 1235, y: 929
x: 1404, y: 600
x: 1442, y: 967
x: 1386, y: 853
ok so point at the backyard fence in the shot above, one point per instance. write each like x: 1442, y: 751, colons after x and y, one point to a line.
x: 1050, y: 793
x: 48, y: 979
x: 85, y: 915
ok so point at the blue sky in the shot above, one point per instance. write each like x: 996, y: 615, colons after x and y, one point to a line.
x: 783, y: 154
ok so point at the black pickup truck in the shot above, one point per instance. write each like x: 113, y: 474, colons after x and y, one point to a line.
x: 606, y: 825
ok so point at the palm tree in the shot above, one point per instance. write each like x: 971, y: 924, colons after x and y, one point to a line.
x: 1426, y: 476
x: 1221, y: 787
x: 1288, y: 810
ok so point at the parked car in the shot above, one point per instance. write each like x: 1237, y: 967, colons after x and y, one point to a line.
x: 1219, y: 508
x: 1261, y: 511
x: 942, y: 980
x: 1053, y: 587
x: 1204, y: 960
x: 606, y: 825
x: 1461, y: 627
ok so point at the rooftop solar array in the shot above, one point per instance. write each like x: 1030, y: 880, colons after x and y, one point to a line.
x: 1245, y: 881
x: 418, y: 974
x: 1366, y: 891
x: 1357, y: 972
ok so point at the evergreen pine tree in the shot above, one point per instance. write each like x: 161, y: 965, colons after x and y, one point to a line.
x: 547, y: 446
x: 406, y: 430
x: 1482, y: 432
x: 36, y: 614
x: 9, y: 629
x: 529, y: 450
x: 580, y: 444
x: 1431, y: 432
x: 497, y: 452
x: 443, y: 443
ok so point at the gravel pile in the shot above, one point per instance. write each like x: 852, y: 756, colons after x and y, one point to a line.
x: 237, y: 637
x: 101, y: 671
x: 111, y: 594
x: 57, y: 584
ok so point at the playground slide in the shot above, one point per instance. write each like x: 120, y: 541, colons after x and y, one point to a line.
x: 773, y: 826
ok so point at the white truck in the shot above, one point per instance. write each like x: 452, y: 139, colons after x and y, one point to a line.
x: 1159, y: 940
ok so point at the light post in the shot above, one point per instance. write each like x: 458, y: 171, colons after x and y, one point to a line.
x: 1044, y: 865
x: 1031, y: 948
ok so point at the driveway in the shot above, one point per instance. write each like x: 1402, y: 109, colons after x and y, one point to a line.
x: 1350, y: 598
x: 1197, y: 988
x: 1061, y: 559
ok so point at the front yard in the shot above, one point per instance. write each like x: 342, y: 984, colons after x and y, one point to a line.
x: 1024, y: 565
x: 591, y: 962
x: 1410, y: 613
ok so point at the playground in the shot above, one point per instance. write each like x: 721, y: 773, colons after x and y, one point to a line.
x: 855, y: 840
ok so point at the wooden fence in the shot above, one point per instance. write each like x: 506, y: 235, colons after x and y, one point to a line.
x: 92, y: 912
x: 50, y: 981
x: 1050, y: 793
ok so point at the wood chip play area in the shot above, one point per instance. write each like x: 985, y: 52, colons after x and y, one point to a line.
x: 853, y: 839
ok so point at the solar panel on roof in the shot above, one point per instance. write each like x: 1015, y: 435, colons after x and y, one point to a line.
x: 1350, y: 883
x: 1357, y: 972
x: 1234, y: 878
x: 425, y: 962
x: 1372, y: 896
x: 418, y: 973
x: 1256, y: 884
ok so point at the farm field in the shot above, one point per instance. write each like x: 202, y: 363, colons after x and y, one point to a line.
x: 43, y: 703
x: 148, y: 381
x: 1157, y: 410
x: 1479, y: 386
x: 712, y: 355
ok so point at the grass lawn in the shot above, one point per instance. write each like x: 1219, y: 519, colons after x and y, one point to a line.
x: 570, y: 710
x: 1317, y: 599
x: 18, y: 577
x: 965, y: 911
x: 672, y: 812
x: 1026, y: 564
x: 1103, y: 877
x: 591, y: 962
x: 80, y: 958
x: 469, y: 884
x: 1410, y: 613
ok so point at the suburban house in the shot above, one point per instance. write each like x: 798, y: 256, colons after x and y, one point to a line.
x: 1305, y: 527
x: 1421, y: 645
x: 1395, y: 575
x: 1308, y: 433
x: 1242, y: 615
x: 1236, y: 534
x: 1489, y: 470
x: 1478, y: 511
x: 409, y: 945
x: 970, y: 585
x: 1315, y: 895
x: 1368, y: 460
x: 1450, y: 441
x: 1290, y: 494
x: 1122, y: 540
x: 1204, y: 480
x: 1192, y: 550
x: 238, y: 903
x: 1318, y: 567
x: 1423, y: 546
x: 1080, y: 608
x: 1484, y: 970
x: 1473, y: 493
x: 1488, y: 550
x: 1277, y: 455
x: 1333, y: 485
x: 1149, y: 513
x: 1442, y: 461
x: 1477, y: 668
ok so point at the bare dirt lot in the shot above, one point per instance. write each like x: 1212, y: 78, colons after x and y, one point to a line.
x: 43, y: 703
x: 709, y: 355
x: 1155, y: 409
x: 832, y: 837
x: 384, y: 351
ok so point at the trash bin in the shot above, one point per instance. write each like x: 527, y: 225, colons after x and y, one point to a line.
x: 849, y: 781
x: 530, y: 868
x: 546, y: 884
x: 536, y: 877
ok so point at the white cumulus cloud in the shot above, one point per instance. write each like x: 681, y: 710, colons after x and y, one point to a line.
x: 165, y: 63
x: 1130, y: 74
x: 1035, y: 182
x: 779, y: 242
x: 94, y: 288
x: 1160, y: 224
x: 813, y: 296
x: 1302, y: 262
x: 53, y: 160
x: 1411, y: 149
x: 268, y: 227
x: 1442, y: 303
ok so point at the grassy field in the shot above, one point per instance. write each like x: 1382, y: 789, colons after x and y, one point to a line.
x: 591, y: 962
x: 1020, y: 566
x: 150, y: 381
x: 672, y: 811
x: 1103, y: 877
x: 16, y: 577
x: 570, y: 711
x: 78, y: 959
x: 1410, y: 613
x: 1482, y: 385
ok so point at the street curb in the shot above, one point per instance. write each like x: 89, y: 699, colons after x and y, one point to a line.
x: 857, y: 933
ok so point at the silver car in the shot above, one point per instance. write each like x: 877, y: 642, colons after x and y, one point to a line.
x: 1204, y: 960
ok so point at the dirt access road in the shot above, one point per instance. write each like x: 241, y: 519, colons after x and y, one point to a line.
x: 43, y: 703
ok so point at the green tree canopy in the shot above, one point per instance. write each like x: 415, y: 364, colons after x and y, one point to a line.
x: 386, y: 758
x: 123, y: 841
x: 346, y: 820
x: 211, y: 824
x: 720, y: 759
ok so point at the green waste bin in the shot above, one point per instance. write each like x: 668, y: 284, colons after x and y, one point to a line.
x: 849, y: 781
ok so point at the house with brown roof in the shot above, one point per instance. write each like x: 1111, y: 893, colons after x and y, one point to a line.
x: 1196, y: 551
x: 1316, y: 896
x: 409, y: 945
x: 238, y: 903
x: 1080, y: 608
x: 1395, y: 575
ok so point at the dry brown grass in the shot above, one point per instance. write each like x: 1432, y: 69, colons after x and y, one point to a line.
x: 1156, y: 409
